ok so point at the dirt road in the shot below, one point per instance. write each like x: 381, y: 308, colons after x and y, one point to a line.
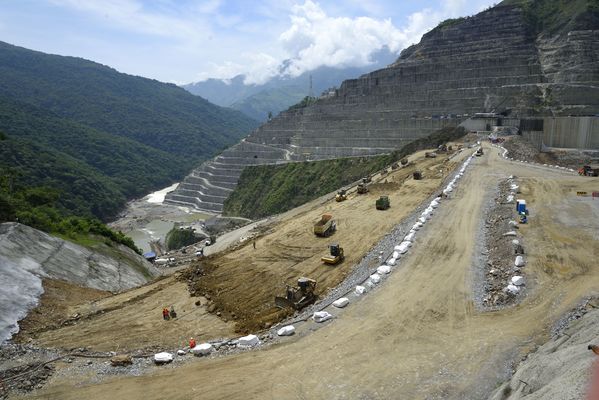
x: 418, y: 336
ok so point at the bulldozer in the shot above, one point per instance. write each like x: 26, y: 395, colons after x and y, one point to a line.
x: 383, y: 203
x: 362, y: 188
x: 298, y: 297
x: 341, y: 195
x: 336, y: 255
x: 325, y: 226
x: 417, y: 175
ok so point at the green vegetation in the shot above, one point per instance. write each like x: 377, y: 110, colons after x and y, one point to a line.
x: 177, y: 238
x: 558, y: 16
x: 450, y: 22
x: 306, y: 101
x: 100, y: 137
x: 38, y: 207
x: 265, y: 190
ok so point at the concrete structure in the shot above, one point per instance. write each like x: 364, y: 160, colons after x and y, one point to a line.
x: 487, y: 63
x: 562, y: 132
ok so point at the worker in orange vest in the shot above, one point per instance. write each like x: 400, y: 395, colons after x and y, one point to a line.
x: 192, y: 343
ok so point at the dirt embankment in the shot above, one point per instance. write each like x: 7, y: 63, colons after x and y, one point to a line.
x: 242, y: 283
x: 520, y: 148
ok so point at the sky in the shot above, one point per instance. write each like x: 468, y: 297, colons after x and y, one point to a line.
x: 182, y: 41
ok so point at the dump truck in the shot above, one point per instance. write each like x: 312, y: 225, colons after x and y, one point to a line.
x: 587, y: 170
x: 404, y: 161
x: 362, y: 188
x: 341, y: 195
x: 325, y: 226
x: 383, y: 203
x: 335, y: 255
x: 417, y: 175
x: 430, y: 154
x: 298, y: 297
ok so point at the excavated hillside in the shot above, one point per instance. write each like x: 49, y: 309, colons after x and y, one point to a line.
x: 503, y: 58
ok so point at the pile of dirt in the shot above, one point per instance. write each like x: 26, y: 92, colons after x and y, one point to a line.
x: 523, y: 149
x: 501, y: 251
x: 23, y: 368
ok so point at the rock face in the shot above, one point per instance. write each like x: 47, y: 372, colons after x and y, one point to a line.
x: 28, y: 255
x: 490, y: 62
x: 560, y: 369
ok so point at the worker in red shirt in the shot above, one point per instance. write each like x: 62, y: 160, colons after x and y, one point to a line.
x: 192, y: 343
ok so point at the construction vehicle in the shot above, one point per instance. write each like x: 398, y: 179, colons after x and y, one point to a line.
x: 367, y: 179
x: 336, y: 255
x: 341, y: 195
x: 417, y: 175
x: 383, y: 203
x: 442, y: 148
x: 298, y: 297
x: 394, y: 166
x: 404, y: 161
x: 430, y: 154
x: 479, y: 152
x: 362, y: 188
x: 325, y: 226
x: 587, y: 170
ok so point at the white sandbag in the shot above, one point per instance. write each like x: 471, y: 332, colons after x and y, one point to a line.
x: 321, y: 316
x: 406, y: 243
x: 422, y: 220
x: 519, y: 262
x: 510, y: 198
x: 416, y: 227
x: 163, y: 358
x: 515, y: 242
x: 360, y: 290
x: 409, y: 237
x: 383, y: 269
x: 342, y: 302
x: 512, y: 289
x: 286, y: 330
x: 434, y: 204
x: 249, y: 340
x: 181, y: 352
x: 402, y: 248
x: 395, y: 254
x: 202, y: 349
x: 513, y: 223
x: 392, y: 261
x: 518, y: 280
x: 513, y: 186
x: 429, y: 210
x: 375, y: 278
x: 510, y: 233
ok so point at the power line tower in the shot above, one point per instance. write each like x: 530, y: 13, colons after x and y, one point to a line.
x: 311, y: 92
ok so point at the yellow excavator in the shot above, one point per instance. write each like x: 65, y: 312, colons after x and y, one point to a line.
x: 341, y: 196
x: 335, y: 255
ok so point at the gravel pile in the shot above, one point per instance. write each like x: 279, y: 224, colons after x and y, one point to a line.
x: 499, y: 250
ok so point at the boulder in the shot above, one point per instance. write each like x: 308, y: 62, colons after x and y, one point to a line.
x: 202, y: 349
x: 163, y: 358
x: 360, y: 290
x: 519, y: 262
x: 342, y: 302
x: 249, y: 340
x: 321, y: 316
x: 518, y: 280
x: 383, y: 269
x: 512, y: 289
x: 286, y: 330
x: 375, y: 278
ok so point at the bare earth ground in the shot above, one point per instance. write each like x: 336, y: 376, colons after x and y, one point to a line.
x: 419, y: 335
x: 245, y: 281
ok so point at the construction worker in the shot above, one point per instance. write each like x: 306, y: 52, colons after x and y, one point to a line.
x: 165, y: 314
x: 173, y: 314
x: 254, y: 244
x: 192, y: 343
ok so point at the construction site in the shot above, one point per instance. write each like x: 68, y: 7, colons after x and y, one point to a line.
x: 420, y: 324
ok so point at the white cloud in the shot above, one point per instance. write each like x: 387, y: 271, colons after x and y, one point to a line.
x: 314, y: 39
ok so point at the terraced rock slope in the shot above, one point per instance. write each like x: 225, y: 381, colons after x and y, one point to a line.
x: 494, y: 61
